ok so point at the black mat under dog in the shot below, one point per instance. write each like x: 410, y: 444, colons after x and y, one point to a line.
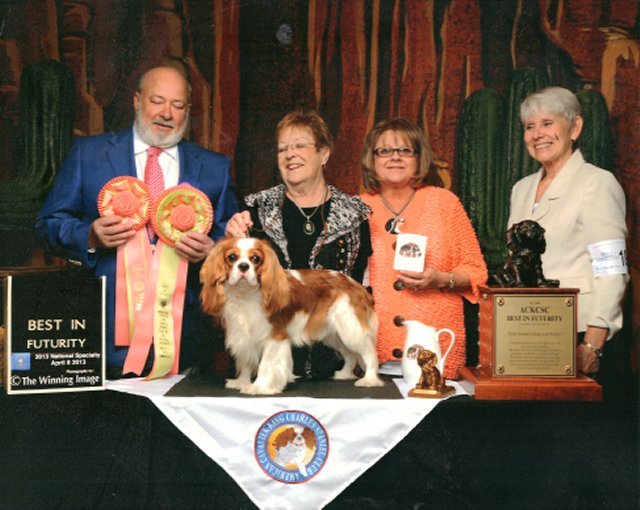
x: 204, y: 387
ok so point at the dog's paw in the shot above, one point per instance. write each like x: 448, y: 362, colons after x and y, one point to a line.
x: 237, y: 384
x: 341, y: 375
x: 257, y: 389
x: 369, y: 382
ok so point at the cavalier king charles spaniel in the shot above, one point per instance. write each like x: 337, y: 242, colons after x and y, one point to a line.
x: 291, y: 447
x: 266, y: 309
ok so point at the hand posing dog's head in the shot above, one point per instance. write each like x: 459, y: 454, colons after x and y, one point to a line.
x: 265, y: 309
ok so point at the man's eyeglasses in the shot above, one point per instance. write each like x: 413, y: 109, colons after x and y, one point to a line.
x: 387, y: 152
x: 295, y: 147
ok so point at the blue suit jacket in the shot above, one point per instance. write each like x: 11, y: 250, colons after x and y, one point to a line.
x: 71, y: 207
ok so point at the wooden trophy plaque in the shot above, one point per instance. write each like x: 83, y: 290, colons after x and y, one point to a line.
x: 527, y: 347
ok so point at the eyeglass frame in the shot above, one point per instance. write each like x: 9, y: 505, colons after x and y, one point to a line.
x: 412, y: 151
x: 295, y: 147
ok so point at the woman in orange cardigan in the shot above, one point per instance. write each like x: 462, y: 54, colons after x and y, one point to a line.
x: 405, y: 194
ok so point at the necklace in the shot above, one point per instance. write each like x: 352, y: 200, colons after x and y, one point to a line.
x: 393, y: 224
x: 309, y: 228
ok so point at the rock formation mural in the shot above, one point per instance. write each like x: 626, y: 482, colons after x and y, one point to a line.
x: 356, y: 61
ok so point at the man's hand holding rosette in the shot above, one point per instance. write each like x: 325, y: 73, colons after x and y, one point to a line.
x: 182, y: 218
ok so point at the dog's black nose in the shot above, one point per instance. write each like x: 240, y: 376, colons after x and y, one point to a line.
x: 243, y: 267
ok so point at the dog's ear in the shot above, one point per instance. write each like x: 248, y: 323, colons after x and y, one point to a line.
x: 309, y: 437
x: 510, y: 237
x: 212, y: 276
x: 519, y: 234
x: 273, y: 280
x: 540, y: 241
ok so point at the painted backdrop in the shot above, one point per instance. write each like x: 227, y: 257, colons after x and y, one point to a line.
x: 356, y: 61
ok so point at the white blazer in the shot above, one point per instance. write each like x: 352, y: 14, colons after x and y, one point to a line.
x: 583, y: 205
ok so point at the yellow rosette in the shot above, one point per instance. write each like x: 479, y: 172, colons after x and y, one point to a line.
x: 179, y: 210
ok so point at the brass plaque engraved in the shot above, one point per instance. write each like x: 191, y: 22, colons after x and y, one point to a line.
x: 535, y: 335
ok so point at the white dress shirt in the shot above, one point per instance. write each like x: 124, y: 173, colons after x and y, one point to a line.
x: 168, y: 159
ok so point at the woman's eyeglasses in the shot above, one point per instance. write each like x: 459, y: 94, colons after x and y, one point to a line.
x: 387, y: 152
x: 295, y: 147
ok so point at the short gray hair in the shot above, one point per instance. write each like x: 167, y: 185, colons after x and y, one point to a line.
x: 553, y: 101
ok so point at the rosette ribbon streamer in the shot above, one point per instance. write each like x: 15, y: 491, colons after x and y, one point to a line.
x: 177, y: 210
x: 128, y: 198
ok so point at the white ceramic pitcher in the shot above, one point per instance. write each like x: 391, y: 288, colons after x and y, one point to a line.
x: 421, y: 335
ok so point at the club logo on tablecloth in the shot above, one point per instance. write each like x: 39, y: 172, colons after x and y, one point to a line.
x: 291, y: 446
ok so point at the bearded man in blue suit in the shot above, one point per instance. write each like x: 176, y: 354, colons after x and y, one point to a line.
x: 69, y: 221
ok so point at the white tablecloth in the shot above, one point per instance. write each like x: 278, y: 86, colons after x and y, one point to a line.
x: 246, y: 437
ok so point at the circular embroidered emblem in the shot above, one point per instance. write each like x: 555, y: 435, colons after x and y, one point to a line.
x: 291, y: 446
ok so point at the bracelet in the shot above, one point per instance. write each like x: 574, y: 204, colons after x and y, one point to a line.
x: 452, y: 282
x: 597, y: 352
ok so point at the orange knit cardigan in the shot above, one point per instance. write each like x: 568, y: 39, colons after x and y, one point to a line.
x: 452, y: 245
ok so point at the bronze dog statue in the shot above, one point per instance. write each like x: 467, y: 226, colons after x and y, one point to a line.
x: 523, y: 268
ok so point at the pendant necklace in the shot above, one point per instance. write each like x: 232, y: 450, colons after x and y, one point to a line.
x: 308, y: 227
x: 393, y: 224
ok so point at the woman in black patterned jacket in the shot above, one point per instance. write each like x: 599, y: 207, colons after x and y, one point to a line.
x: 309, y: 223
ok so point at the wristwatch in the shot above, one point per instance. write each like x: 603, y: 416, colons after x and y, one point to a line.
x: 597, y: 352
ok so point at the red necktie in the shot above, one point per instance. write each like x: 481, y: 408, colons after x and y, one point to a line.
x: 153, y: 178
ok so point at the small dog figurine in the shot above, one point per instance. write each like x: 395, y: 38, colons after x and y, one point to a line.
x: 266, y: 309
x: 523, y: 268
x: 430, y: 379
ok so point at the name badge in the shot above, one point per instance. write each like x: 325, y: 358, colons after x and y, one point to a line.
x: 609, y: 257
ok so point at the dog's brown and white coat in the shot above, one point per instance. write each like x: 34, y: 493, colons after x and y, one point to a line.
x: 266, y: 309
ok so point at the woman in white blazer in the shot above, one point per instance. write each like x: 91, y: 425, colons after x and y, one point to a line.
x: 582, y: 209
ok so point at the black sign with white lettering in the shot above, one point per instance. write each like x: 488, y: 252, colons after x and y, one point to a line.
x: 54, y: 332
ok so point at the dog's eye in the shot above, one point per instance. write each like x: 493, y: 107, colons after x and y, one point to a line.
x: 255, y: 259
x: 232, y: 257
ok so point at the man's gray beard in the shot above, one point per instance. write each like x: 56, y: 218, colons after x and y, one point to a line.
x: 163, y: 141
